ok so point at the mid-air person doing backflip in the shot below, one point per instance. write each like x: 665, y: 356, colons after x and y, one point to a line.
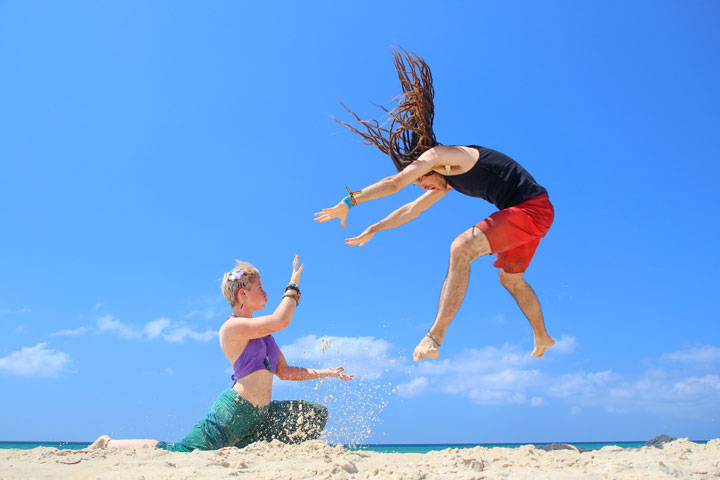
x: 513, y: 233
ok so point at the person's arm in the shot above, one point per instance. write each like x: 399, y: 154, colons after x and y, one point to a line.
x: 429, y: 160
x: 402, y: 215
x: 286, y: 372
x: 240, y: 327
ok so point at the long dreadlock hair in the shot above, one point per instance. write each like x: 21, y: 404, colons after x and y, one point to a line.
x: 407, y: 131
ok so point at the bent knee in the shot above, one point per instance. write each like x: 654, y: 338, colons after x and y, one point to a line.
x: 469, y: 245
x: 459, y: 249
x: 510, y: 280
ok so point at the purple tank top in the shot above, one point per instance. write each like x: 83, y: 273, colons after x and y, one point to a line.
x: 260, y: 353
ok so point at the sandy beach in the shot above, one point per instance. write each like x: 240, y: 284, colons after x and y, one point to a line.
x: 315, y: 459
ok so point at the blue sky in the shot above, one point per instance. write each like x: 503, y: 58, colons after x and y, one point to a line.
x: 145, y: 146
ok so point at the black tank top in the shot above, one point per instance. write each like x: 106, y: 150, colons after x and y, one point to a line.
x: 497, y: 178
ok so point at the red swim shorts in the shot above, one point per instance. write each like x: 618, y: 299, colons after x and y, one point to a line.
x: 515, y: 232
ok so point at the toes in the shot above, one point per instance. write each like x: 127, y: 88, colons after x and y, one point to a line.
x: 538, y: 353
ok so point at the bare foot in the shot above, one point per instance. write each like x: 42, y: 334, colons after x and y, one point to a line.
x: 425, y: 349
x: 542, y: 344
x: 101, y: 442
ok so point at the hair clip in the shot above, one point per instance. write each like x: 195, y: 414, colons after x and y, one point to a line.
x: 236, y: 275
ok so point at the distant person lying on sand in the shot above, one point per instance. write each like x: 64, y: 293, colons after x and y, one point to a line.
x: 244, y: 413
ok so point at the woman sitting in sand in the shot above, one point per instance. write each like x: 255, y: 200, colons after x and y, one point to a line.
x: 244, y: 413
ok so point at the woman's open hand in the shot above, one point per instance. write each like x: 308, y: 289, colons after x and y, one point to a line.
x: 295, y: 277
x: 338, y: 372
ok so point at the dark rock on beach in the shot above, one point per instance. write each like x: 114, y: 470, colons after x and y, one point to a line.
x: 660, y: 440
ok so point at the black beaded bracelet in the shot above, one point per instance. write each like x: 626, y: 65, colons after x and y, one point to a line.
x: 293, y: 286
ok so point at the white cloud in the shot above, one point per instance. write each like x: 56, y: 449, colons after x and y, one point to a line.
x: 665, y: 391
x: 36, y: 361
x: 674, y: 394
x: 695, y: 354
x: 434, y: 367
x: 312, y: 347
x: 508, y: 386
x: 506, y: 375
x: 70, y: 333
x: 495, y: 397
x: 154, y: 328
x: 565, y: 345
x: 107, y: 323
x: 698, y: 385
x: 179, y: 334
x: 582, y: 384
x: 161, y: 328
x: 362, y: 356
x: 413, y: 388
x: 487, y: 376
x: 488, y: 359
x: 207, y: 314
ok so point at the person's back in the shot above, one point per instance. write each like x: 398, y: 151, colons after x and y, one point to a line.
x: 497, y: 178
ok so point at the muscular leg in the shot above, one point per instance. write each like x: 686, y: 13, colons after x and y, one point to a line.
x: 530, y: 306
x: 470, y: 245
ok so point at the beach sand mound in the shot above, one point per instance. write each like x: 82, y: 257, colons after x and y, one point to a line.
x: 678, y: 459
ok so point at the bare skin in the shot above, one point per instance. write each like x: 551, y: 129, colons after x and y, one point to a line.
x: 528, y: 302
x: 468, y: 246
x: 236, y: 333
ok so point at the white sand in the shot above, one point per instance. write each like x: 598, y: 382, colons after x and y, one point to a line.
x: 678, y: 459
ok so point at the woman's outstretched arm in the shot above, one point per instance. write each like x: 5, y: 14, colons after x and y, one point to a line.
x: 286, y: 372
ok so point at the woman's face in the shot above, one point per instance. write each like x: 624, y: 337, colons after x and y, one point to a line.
x: 254, y: 297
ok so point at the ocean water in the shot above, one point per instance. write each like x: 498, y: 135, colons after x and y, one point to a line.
x: 58, y: 445
x: 382, y: 448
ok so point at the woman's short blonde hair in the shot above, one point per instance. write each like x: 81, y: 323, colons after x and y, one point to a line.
x: 239, y: 277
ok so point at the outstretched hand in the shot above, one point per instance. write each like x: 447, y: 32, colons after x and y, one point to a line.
x: 338, y: 211
x: 295, y: 277
x: 361, y: 239
x: 337, y: 372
